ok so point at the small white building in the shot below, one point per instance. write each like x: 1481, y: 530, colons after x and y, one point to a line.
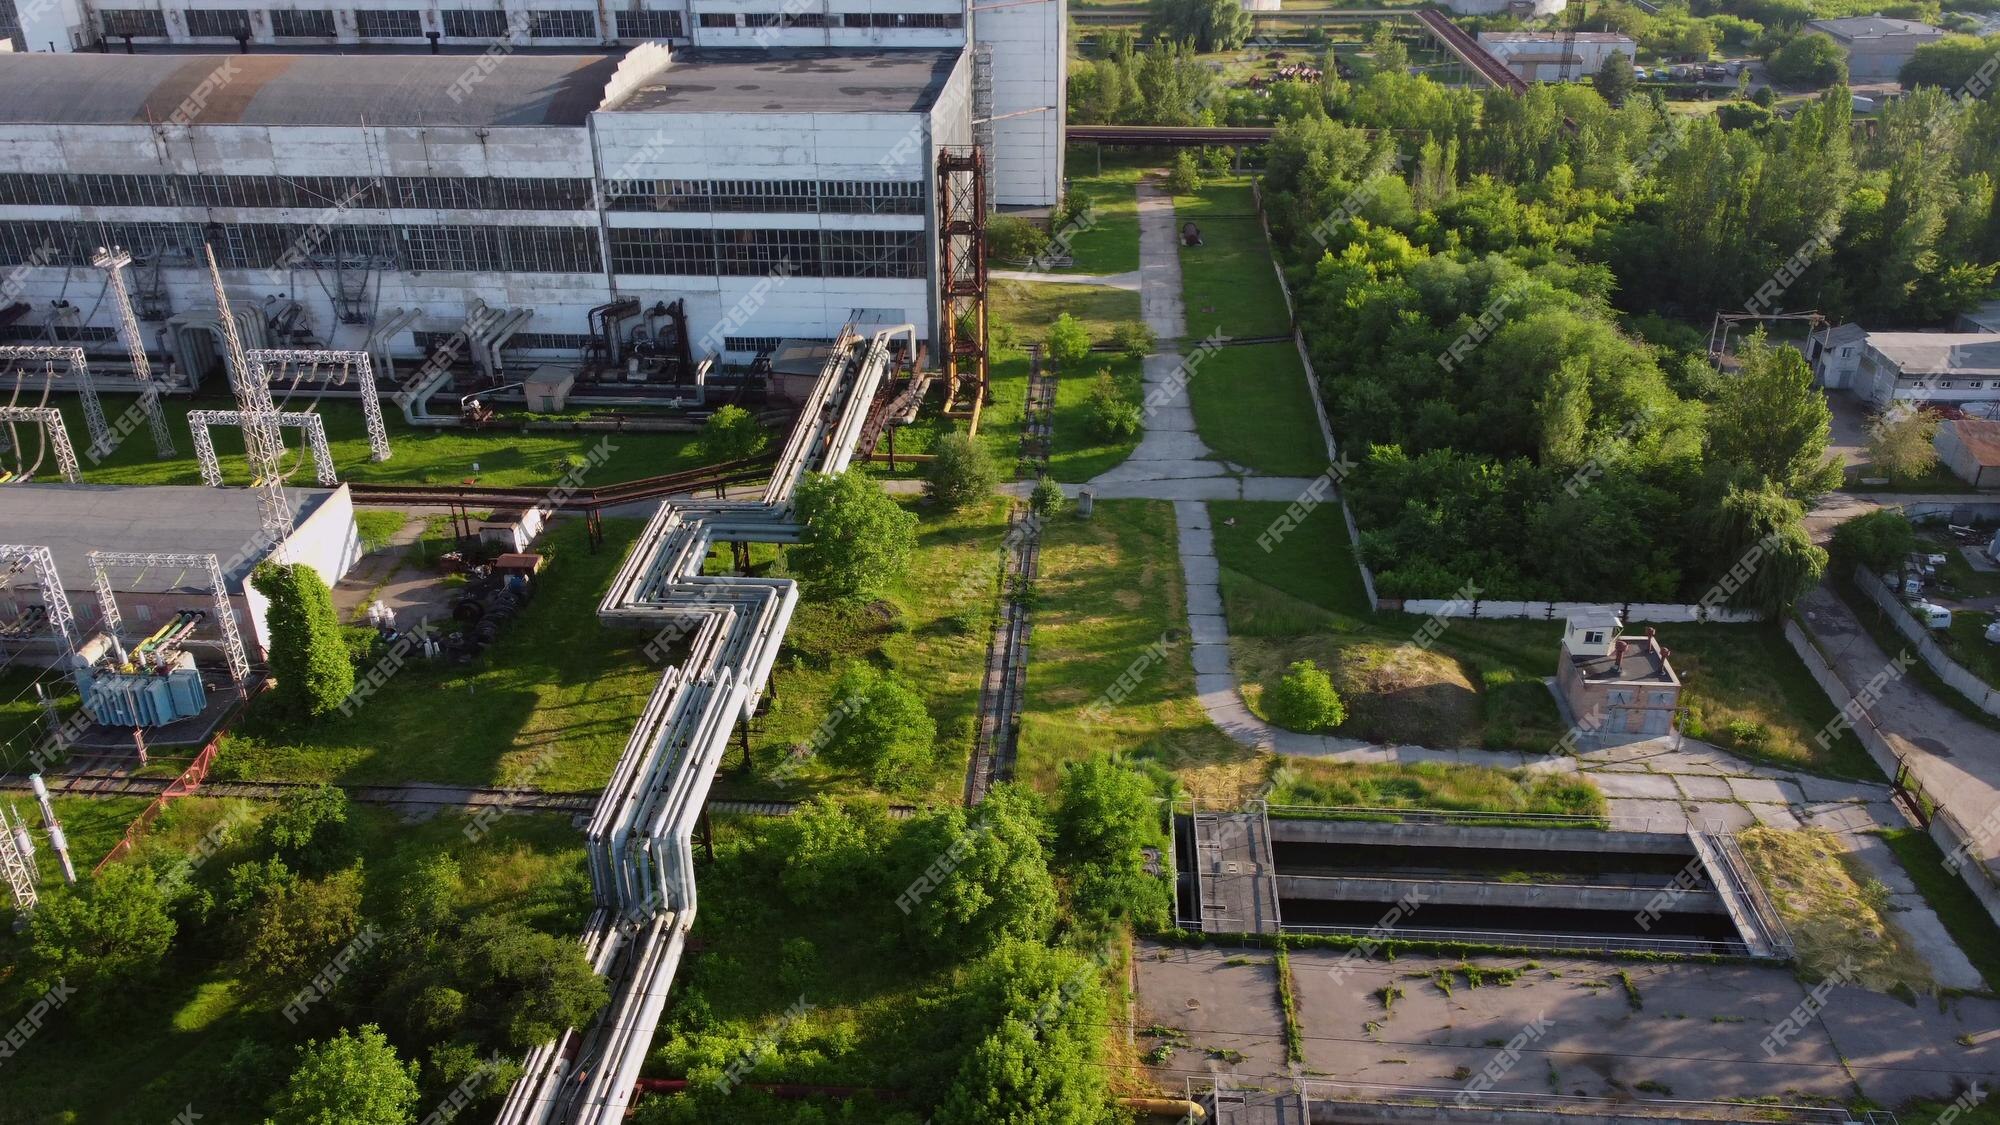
x: 1836, y: 355
x: 1877, y: 47
x: 1538, y: 56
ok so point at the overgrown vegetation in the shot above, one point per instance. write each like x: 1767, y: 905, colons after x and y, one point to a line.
x: 1433, y: 786
x: 308, y: 657
x: 1837, y: 914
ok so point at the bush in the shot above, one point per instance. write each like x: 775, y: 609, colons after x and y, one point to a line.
x: 854, y: 539
x: 960, y: 472
x: 354, y: 1078
x: 731, y: 434
x: 1880, y: 541
x: 1811, y: 59
x: 1304, y: 699
x: 309, y: 831
x: 1015, y: 238
x: 308, y: 654
x: 1185, y: 179
x: 1047, y: 500
x: 1068, y: 342
x: 1134, y: 339
x: 881, y: 728
x: 1113, y: 417
x: 100, y: 935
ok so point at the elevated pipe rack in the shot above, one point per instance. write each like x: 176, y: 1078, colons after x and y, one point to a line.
x: 640, y: 838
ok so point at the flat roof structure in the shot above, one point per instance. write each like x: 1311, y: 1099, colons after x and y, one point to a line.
x: 1944, y: 354
x: 795, y: 81
x: 1981, y: 439
x: 1871, y: 27
x: 299, y: 89
x: 1634, y: 659
x: 72, y: 520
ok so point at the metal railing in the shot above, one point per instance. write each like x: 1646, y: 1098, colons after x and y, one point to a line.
x: 1461, y: 1099
x: 1518, y: 939
x: 1675, y: 825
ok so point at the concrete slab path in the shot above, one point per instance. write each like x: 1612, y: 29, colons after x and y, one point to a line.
x: 1128, y: 280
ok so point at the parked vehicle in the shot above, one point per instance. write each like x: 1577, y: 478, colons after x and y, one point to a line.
x: 1932, y: 615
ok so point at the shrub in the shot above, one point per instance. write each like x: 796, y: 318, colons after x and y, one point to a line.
x: 1185, y: 179
x: 1304, y: 699
x: 854, y: 539
x: 1068, y: 342
x: 1880, y: 540
x: 1811, y: 59
x: 354, y: 1078
x: 1047, y: 500
x: 1113, y: 417
x: 882, y: 728
x: 960, y: 472
x: 308, y: 653
x: 1015, y: 238
x: 731, y: 434
x: 309, y: 830
x: 1134, y: 339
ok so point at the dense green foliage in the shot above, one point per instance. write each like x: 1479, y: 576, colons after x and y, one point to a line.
x: 1507, y: 306
x: 731, y: 434
x: 309, y: 831
x: 1811, y: 59
x: 1880, y: 540
x: 1068, y: 342
x: 1047, y: 499
x: 1105, y: 815
x: 879, y: 727
x: 1113, y: 415
x: 1953, y: 62
x: 961, y: 472
x: 1210, y: 25
x: 1303, y: 699
x: 354, y: 1078
x: 855, y: 539
x: 308, y: 656
x: 104, y: 934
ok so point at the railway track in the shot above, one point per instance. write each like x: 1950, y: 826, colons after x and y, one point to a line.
x: 101, y: 783
x: 1006, y: 665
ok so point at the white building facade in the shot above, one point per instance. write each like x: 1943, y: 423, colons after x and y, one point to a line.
x: 775, y: 176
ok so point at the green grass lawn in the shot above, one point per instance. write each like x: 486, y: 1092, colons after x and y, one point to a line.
x: 22, y: 727
x: 550, y: 704
x: 1228, y: 283
x: 1966, y: 642
x: 1252, y: 407
x: 1077, y: 454
x: 1964, y: 917
x: 1111, y: 245
x: 376, y: 525
x: 168, y: 1044
x: 1432, y: 785
x: 1307, y: 575
x: 1110, y: 601
x: 418, y: 456
x: 1031, y: 307
x: 931, y: 632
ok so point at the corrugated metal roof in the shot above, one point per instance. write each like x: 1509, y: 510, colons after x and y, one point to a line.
x: 908, y: 80
x: 257, y: 89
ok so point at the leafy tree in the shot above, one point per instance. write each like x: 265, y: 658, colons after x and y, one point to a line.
x: 1185, y: 179
x: 829, y: 850
x: 883, y: 728
x: 300, y: 927
x: 961, y: 472
x: 530, y: 984
x: 855, y: 540
x: 107, y: 931
x: 1880, y: 540
x: 731, y: 434
x: 1811, y: 59
x: 1772, y: 422
x: 1015, y: 239
x: 1901, y: 442
x: 1047, y: 499
x: 1210, y: 25
x: 1615, y: 80
x: 1949, y: 63
x: 994, y: 882
x: 1040, y: 1062
x: 1106, y: 814
x: 1068, y: 342
x: 309, y: 830
x: 308, y: 655
x: 1113, y: 417
x: 354, y: 1078
x: 1761, y: 535
x: 1304, y: 699
x: 427, y: 898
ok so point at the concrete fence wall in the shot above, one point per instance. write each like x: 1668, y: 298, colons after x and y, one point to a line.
x: 1950, y: 671
x: 1319, y: 404
x: 1557, y: 611
x: 1945, y: 830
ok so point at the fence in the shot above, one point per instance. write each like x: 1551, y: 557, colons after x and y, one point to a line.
x: 189, y: 781
x: 1946, y: 830
x: 1312, y: 384
x: 1948, y: 670
x: 1556, y: 611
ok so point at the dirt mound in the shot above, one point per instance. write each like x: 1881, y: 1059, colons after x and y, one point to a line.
x: 1403, y: 693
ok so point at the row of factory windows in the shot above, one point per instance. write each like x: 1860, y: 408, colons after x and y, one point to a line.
x: 497, y: 193
x: 513, y: 249
x: 843, y: 19
x: 392, y: 23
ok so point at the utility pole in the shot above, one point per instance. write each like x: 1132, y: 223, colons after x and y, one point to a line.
x: 260, y: 424
x: 56, y: 838
x: 113, y: 262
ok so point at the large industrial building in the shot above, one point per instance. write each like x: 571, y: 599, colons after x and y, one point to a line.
x: 750, y: 172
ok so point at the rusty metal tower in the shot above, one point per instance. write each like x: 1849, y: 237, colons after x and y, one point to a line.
x: 961, y: 203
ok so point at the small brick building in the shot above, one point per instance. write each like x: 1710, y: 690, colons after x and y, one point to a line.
x: 1616, y: 683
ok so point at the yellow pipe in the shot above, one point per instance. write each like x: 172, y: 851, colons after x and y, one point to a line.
x: 1165, y: 1107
